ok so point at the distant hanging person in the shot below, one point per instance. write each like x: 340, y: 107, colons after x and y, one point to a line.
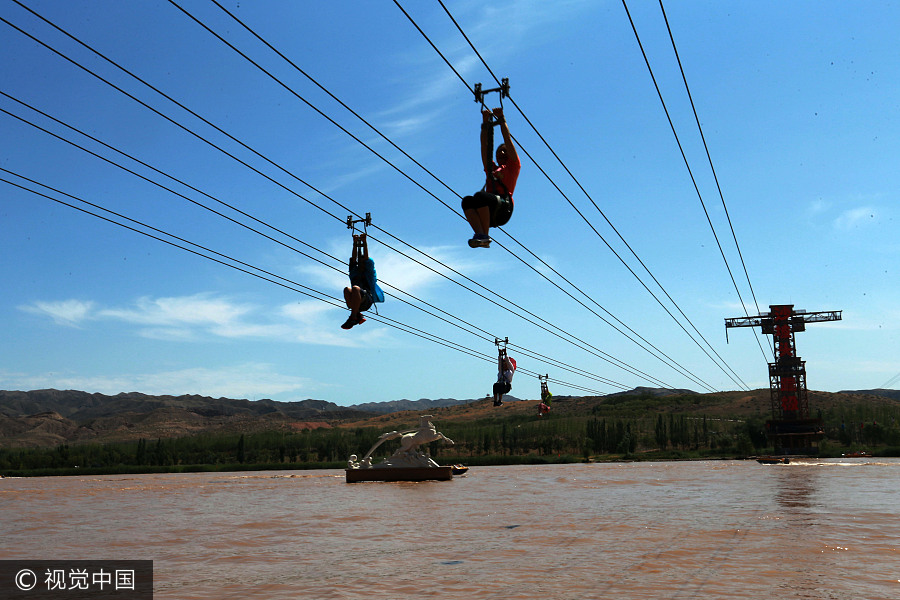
x: 543, y: 409
x: 493, y: 205
x: 546, y: 397
x: 363, y: 290
x: 506, y: 368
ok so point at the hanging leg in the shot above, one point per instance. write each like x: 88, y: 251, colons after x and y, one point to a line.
x: 353, y: 298
x: 477, y: 209
x: 479, y: 219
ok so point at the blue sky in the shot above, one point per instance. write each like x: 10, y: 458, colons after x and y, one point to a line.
x: 798, y: 104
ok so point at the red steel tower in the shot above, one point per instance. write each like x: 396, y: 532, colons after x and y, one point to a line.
x: 790, y: 429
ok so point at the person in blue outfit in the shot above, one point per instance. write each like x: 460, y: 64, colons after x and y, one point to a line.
x: 363, y: 290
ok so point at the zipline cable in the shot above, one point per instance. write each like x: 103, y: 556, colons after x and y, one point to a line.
x: 713, y: 170
x: 250, y: 216
x: 732, y: 375
x: 668, y: 360
x: 175, y: 179
x: 298, y: 96
x: 305, y: 290
x: 486, y: 338
x: 590, y: 198
x: 890, y: 382
x: 603, y: 356
x: 626, y: 367
x: 686, y: 163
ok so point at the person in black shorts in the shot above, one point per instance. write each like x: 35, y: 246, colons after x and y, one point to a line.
x: 493, y: 205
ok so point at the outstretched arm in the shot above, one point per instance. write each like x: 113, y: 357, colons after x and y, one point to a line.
x: 507, y: 138
x: 363, y: 241
x: 354, y: 258
x: 487, y: 141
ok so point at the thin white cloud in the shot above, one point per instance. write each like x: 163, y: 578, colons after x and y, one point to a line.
x: 856, y: 217
x: 818, y: 206
x: 206, y: 316
x: 408, y: 124
x: 497, y: 44
x: 248, y: 380
x: 190, y: 318
x: 433, y: 93
x: 199, y: 309
x: 64, y: 312
x: 345, y: 177
x: 202, y: 317
x: 885, y: 318
x: 735, y: 309
x: 169, y: 334
x: 313, y: 322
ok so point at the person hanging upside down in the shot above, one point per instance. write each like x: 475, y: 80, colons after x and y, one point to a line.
x: 546, y: 396
x: 506, y: 368
x: 493, y: 205
x: 363, y: 290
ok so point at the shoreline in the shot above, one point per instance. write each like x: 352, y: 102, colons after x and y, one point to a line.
x: 477, y: 461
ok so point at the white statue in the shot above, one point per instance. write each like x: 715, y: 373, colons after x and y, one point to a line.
x: 408, y: 454
x: 426, y: 433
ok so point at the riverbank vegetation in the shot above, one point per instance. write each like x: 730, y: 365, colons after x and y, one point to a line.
x: 629, y: 428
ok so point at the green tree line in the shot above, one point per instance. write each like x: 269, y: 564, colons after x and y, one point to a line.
x: 607, y: 431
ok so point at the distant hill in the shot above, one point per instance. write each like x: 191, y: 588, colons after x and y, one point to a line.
x: 424, y: 404
x: 50, y: 417
x: 382, y: 408
x: 895, y: 394
x: 645, y: 391
x: 53, y: 417
x: 81, y: 406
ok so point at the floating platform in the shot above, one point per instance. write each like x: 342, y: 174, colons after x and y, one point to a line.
x: 399, y: 474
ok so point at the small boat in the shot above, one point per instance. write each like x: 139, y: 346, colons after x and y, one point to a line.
x: 857, y: 455
x: 773, y: 460
x: 459, y: 469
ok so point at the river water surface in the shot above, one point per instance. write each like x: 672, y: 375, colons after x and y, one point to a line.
x: 825, y: 529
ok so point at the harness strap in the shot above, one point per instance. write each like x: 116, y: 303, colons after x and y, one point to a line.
x: 497, y: 181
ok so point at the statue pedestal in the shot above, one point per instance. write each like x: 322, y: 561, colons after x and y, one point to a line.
x: 400, y: 474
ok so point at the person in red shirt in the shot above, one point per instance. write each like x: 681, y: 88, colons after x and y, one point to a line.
x: 506, y: 368
x: 493, y: 205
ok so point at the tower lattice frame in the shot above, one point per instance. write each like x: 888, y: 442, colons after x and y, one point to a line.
x: 791, y: 429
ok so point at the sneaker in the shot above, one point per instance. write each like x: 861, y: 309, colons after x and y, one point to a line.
x: 350, y: 322
x: 480, y: 240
